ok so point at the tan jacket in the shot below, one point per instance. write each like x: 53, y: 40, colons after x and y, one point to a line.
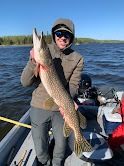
x: 69, y: 66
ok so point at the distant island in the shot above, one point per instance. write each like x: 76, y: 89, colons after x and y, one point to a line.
x: 28, y: 40
x: 89, y: 40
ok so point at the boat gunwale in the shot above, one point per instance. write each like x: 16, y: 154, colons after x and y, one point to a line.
x: 12, y: 137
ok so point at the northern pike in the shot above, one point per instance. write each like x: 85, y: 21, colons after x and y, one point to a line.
x: 58, y: 94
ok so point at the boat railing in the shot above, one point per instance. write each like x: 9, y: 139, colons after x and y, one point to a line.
x: 12, y: 137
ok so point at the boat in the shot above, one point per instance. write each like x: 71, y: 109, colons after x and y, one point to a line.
x: 17, y: 147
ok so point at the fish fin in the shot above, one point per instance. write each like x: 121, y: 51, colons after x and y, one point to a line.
x: 66, y: 129
x: 82, y: 145
x: 82, y: 119
x: 48, y: 104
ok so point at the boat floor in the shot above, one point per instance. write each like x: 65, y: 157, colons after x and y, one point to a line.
x: 25, y: 143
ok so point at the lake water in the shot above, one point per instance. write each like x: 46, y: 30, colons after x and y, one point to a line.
x: 103, y: 62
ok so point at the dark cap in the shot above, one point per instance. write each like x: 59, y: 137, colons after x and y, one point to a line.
x: 62, y: 27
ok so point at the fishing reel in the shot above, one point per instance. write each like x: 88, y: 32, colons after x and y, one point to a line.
x: 88, y: 97
x: 91, y: 93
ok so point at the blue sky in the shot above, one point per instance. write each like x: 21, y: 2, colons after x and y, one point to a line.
x: 97, y: 19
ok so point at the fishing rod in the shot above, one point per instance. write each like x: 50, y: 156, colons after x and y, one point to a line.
x: 18, y: 123
x: 15, y: 122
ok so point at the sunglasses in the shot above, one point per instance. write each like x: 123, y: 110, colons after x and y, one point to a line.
x: 65, y: 34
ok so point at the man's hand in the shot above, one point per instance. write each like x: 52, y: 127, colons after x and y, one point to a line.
x: 62, y: 111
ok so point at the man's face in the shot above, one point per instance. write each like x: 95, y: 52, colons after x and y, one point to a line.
x: 62, y: 39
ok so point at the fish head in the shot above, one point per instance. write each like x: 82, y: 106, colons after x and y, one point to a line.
x: 42, y: 53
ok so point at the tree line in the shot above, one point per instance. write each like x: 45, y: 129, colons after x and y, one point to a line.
x: 21, y: 40
x: 28, y: 40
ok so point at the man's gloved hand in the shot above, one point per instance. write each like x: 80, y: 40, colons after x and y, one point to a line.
x: 121, y: 109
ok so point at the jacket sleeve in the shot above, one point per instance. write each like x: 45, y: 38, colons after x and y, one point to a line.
x: 27, y: 76
x: 76, y: 77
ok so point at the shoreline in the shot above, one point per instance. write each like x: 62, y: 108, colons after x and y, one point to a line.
x: 16, y: 45
x: 26, y: 45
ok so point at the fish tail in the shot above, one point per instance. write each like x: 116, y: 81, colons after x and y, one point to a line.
x: 82, y: 145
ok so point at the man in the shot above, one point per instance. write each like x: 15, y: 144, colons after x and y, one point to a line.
x: 69, y: 67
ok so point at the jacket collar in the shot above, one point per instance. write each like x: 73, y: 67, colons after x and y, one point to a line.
x: 64, y: 51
